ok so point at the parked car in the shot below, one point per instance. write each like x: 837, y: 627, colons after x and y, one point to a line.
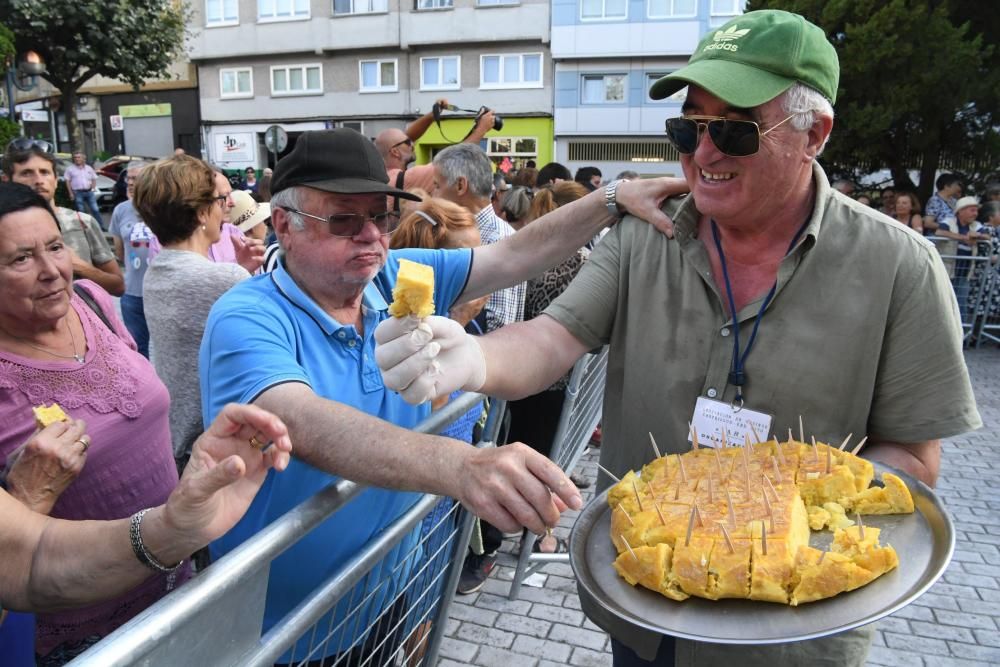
x: 115, y: 164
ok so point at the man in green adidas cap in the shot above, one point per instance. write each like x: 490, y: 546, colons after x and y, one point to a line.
x: 836, y: 307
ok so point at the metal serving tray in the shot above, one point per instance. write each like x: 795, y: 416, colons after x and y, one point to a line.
x: 924, y: 541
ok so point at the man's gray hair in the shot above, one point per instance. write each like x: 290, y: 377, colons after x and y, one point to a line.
x: 805, y: 104
x: 470, y: 161
x: 290, y: 198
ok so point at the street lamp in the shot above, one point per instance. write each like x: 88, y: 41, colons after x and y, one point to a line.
x: 23, y: 76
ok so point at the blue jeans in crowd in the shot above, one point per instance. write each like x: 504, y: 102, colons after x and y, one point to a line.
x: 135, y: 321
x: 85, y: 199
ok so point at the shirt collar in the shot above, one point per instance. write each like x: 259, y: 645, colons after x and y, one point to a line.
x: 372, y: 300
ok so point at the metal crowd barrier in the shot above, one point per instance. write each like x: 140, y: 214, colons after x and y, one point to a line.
x: 975, y: 282
x: 581, y: 413
x: 385, y: 615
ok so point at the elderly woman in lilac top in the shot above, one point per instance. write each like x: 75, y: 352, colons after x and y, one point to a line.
x: 54, y: 347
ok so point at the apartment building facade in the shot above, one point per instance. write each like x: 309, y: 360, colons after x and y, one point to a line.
x: 371, y: 64
x: 607, y: 53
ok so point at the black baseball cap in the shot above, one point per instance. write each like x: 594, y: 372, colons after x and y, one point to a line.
x: 342, y: 160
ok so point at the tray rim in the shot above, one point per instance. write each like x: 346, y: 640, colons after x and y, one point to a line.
x: 598, y: 505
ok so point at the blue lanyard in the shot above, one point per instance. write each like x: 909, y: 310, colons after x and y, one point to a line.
x: 737, y: 374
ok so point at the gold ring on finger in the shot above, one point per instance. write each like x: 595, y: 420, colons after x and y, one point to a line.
x: 255, y: 443
x: 85, y: 441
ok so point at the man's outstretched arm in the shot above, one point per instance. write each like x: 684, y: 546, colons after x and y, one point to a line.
x: 548, y: 241
x: 510, y: 487
x: 425, y: 359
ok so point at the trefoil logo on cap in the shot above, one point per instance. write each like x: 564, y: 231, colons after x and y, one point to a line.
x: 723, y: 39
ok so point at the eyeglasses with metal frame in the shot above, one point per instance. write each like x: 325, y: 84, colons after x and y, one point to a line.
x: 735, y: 138
x: 349, y: 225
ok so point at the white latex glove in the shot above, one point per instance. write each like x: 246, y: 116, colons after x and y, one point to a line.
x: 428, y: 358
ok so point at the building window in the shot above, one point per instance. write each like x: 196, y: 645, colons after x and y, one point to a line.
x: 441, y: 73
x: 516, y: 150
x: 494, y: 3
x: 603, y: 88
x: 356, y: 125
x: 433, y: 4
x: 595, y: 10
x: 725, y: 7
x: 341, y: 7
x: 676, y: 98
x: 297, y: 80
x: 221, y: 12
x: 282, y: 10
x: 378, y: 76
x: 515, y: 70
x: 236, y: 82
x: 669, y: 9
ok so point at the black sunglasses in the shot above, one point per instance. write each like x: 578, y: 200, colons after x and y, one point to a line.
x: 349, y: 225
x: 735, y: 138
x: 407, y: 141
x: 27, y: 143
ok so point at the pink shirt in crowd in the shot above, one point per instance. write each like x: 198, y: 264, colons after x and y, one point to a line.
x: 220, y: 251
x: 130, y: 463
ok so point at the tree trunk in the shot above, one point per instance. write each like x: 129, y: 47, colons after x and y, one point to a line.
x: 901, y: 177
x: 928, y: 170
x: 69, y: 98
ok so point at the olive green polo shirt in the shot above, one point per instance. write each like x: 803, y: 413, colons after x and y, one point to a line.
x: 862, y: 336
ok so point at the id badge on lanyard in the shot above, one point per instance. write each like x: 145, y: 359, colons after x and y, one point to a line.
x: 719, y: 424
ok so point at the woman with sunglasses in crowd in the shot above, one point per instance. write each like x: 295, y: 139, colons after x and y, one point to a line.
x: 179, y: 199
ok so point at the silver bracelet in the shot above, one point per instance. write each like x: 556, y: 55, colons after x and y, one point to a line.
x: 146, y: 558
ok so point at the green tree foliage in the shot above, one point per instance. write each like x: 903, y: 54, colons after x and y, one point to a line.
x: 6, y: 44
x: 8, y: 128
x: 919, y: 85
x: 130, y: 40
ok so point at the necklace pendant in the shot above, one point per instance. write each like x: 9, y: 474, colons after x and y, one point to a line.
x: 78, y: 358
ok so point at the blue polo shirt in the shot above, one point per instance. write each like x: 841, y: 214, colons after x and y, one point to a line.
x: 266, y: 331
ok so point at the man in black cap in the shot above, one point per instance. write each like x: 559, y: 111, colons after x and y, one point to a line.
x: 300, y: 342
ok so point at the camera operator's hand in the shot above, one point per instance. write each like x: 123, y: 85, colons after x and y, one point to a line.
x: 441, y: 103
x: 485, y: 122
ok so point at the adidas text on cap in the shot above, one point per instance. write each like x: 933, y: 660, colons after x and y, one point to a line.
x: 755, y: 57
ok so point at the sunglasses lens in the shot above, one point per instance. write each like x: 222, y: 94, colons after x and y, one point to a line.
x: 683, y: 134
x: 26, y: 143
x: 737, y: 138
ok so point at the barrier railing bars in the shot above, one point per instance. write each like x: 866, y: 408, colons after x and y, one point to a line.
x: 216, y: 618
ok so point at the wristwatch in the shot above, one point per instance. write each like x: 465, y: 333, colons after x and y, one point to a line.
x: 611, y: 198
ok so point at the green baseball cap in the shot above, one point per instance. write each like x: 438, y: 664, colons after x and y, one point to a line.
x: 755, y: 57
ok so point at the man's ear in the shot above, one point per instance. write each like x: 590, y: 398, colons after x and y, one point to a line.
x: 818, y: 134
x: 461, y: 186
x: 281, y: 223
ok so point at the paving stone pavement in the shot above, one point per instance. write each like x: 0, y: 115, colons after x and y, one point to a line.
x: 956, y: 623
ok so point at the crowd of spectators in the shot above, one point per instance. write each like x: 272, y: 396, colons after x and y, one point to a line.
x: 212, y: 314
x: 186, y: 238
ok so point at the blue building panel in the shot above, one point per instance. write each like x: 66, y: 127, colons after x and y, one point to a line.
x: 569, y: 12
x: 566, y: 86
